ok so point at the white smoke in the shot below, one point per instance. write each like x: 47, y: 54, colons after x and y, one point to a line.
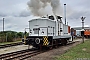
x: 44, y: 7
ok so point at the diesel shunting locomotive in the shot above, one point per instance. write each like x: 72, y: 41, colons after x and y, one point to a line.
x: 47, y: 32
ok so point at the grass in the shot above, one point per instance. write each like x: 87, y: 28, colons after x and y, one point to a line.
x: 9, y: 42
x: 79, y: 52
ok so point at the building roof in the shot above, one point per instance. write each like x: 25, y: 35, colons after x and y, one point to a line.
x: 80, y: 28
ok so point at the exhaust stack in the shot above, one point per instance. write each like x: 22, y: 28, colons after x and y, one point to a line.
x: 65, y: 13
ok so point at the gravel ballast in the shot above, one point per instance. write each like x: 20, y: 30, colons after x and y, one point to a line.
x: 13, y: 49
x: 50, y: 55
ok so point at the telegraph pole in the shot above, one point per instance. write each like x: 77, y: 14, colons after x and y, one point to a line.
x: 3, y: 24
x: 83, y: 18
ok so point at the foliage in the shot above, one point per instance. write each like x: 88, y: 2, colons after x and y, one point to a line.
x: 9, y: 36
x: 19, y: 34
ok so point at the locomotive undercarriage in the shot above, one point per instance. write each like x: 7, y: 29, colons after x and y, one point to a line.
x: 41, y: 42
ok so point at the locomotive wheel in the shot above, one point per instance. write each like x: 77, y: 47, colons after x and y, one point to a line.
x: 56, y: 46
x: 51, y: 48
x: 64, y: 42
x: 40, y: 47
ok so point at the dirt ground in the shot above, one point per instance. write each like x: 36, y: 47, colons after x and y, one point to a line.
x: 13, y: 49
x: 50, y: 55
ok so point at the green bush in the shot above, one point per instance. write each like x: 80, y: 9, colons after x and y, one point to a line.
x: 10, y: 36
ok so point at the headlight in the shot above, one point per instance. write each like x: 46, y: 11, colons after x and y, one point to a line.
x: 42, y: 32
x: 37, y: 40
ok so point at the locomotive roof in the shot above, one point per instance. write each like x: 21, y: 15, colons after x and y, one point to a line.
x: 41, y: 19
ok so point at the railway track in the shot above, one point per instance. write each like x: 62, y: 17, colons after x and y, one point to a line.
x: 23, y: 54
x: 9, y: 45
x: 19, y: 55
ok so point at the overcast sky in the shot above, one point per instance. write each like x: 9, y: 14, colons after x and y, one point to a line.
x: 17, y: 14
